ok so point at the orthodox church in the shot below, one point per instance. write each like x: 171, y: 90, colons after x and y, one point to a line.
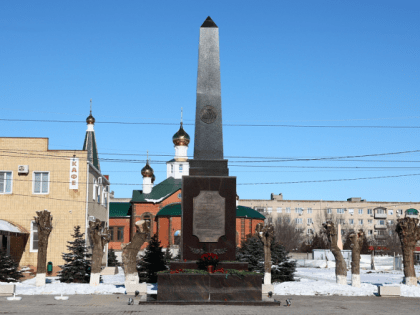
x: 161, y: 204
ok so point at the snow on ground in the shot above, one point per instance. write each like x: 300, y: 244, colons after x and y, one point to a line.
x: 313, y: 281
x: 321, y: 281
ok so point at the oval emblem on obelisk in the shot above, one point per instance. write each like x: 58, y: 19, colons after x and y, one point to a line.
x: 208, y: 114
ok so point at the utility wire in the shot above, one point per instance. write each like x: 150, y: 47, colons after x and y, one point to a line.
x: 191, y: 124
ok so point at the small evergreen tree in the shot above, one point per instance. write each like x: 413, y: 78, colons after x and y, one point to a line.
x: 77, y: 267
x: 112, y: 258
x: 8, y: 268
x: 252, y: 252
x: 152, y: 261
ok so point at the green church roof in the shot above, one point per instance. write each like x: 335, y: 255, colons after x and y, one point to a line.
x: 119, y: 209
x: 174, y: 209
x: 160, y: 192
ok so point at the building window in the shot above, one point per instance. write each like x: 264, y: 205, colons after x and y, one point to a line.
x: 299, y: 210
x: 370, y: 232
x: 310, y: 231
x: 360, y: 211
x: 390, y: 212
x: 180, y: 195
x: 399, y: 211
x: 41, y: 182
x: 104, y: 194
x: 95, y: 189
x: 5, y: 182
x: 361, y: 222
x: 34, y: 237
x: 279, y: 210
x: 351, y: 221
x: 172, y: 168
x: 329, y: 211
x: 120, y: 234
x: 111, y: 232
x: 390, y: 222
x: 381, y: 222
x: 309, y: 210
x: 288, y: 210
x: 380, y: 233
x: 310, y: 221
x: 298, y: 220
x: 340, y: 211
x: 180, y: 168
x: 269, y: 210
x: 177, y: 237
x: 380, y: 211
x: 369, y: 211
x: 370, y: 221
x: 341, y: 221
x: 98, y: 196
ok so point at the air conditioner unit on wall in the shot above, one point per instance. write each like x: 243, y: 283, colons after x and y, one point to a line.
x: 100, y: 181
x: 23, y: 169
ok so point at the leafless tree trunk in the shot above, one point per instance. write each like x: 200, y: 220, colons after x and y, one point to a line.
x: 44, y: 222
x: 340, y: 264
x: 409, y: 233
x: 266, y: 235
x: 356, y: 246
x: 99, y: 236
x: 286, y: 232
x: 130, y: 251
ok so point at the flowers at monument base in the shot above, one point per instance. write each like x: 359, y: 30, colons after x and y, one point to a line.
x: 206, y: 260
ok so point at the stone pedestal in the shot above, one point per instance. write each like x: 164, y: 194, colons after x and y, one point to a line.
x: 225, y: 265
x: 208, y: 216
x: 389, y: 291
x: 210, y: 287
x: 40, y: 279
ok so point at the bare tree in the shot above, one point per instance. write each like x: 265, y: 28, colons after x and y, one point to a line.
x: 286, y: 232
x: 130, y: 251
x: 44, y: 222
x: 340, y: 263
x: 356, y: 240
x: 99, y: 236
x: 266, y: 236
x: 409, y: 233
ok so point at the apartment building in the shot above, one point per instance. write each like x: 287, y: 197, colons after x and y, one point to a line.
x: 354, y: 213
x: 68, y: 183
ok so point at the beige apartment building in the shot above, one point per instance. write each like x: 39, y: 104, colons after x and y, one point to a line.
x: 68, y: 183
x: 354, y: 213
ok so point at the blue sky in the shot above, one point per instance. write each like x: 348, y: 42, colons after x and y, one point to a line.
x: 300, y: 63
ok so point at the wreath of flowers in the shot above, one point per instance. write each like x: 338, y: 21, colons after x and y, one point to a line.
x: 208, y: 259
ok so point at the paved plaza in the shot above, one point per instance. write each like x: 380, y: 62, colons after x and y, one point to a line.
x: 117, y: 304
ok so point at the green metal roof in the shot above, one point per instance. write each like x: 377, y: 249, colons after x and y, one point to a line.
x: 160, y: 192
x: 174, y: 209
x: 90, y: 146
x: 119, y: 209
x: 242, y: 211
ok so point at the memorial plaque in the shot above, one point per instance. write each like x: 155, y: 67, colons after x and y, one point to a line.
x: 209, y: 216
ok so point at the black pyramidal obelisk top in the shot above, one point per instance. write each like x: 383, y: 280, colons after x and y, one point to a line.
x: 208, y: 141
x: 209, y: 23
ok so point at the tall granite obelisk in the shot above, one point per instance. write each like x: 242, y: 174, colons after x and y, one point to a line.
x: 208, y: 140
x: 208, y: 193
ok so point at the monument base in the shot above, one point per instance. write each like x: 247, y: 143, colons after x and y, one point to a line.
x: 209, y: 287
x: 225, y: 265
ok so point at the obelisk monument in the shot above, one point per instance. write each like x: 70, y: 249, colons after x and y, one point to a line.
x: 208, y: 193
x: 208, y: 139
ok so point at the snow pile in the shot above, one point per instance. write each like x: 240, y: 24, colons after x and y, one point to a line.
x: 315, y: 263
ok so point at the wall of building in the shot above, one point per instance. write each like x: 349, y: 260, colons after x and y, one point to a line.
x: 67, y: 206
x: 316, y: 211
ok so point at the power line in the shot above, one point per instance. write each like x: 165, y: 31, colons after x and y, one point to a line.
x: 191, y: 124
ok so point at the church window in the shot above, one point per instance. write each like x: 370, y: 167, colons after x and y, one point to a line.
x: 172, y: 168
x: 180, y: 168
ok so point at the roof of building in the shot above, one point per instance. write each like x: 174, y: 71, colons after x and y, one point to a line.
x: 119, y: 209
x: 174, y: 209
x: 160, y: 192
x: 90, y: 146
